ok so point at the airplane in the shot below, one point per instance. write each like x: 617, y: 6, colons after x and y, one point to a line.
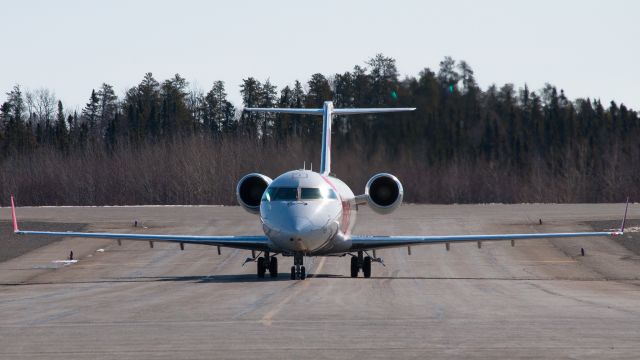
x: 306, y: 213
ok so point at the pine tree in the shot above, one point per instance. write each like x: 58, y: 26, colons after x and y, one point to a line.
x: 298, y: 99
x: 17, y: 138
x: 61, y: 131
x: 143, y: 113
x: 107, y: 105
x: 218, y: 112
x: 384, y: 80
x: 251, y: 91
x: 447, y: 75
x: 268, y: 98
x: 175, y: 118
x: 90, y: 115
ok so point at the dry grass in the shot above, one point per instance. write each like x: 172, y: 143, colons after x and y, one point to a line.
x: 201, y: 170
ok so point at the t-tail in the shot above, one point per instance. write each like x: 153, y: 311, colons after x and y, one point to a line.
x: 327, y: 113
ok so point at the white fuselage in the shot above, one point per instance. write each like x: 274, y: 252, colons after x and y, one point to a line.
x: 306, y: 212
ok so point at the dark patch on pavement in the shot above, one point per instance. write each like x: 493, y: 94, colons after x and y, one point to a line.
x: 630, y: 240
x: 12, y: 245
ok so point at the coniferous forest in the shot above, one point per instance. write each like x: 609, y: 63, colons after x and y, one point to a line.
x: 165, y: 142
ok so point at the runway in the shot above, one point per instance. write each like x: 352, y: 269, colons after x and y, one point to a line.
x: 539, y: 299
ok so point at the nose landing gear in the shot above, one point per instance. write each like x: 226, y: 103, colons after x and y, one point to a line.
x: 297, y: 270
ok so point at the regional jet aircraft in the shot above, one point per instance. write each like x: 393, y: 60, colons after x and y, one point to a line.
x: 306, y: 213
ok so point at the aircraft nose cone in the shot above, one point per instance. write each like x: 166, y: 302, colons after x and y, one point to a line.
x: 299, y: 234
x: 296, y: 227
x: 300, y: 224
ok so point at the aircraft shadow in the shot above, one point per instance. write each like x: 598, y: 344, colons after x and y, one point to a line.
x: 251, y: 278
x: 234, y: 278
x: 395, y: 277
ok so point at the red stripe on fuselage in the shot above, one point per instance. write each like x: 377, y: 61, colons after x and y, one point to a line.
x: 346, y: 215
x: 346, y: 207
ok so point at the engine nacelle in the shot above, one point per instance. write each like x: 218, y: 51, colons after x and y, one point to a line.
x: 384, y: 193
x: 249, y: 191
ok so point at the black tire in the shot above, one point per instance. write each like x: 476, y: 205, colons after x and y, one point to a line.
x: 366, y: 267
x: 303, y: 273
x: 293, y: 273
x: 262, y: 267
x: 273, y: 267
x: 354, y: 267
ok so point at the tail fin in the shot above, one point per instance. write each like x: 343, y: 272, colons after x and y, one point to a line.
x: 327, y: 112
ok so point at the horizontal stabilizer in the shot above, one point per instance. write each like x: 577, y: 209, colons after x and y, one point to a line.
x: 287, y: 111
x: 350, y: 111
x: 369, y: 111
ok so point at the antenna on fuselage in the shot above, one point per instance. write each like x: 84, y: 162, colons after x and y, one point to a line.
x: 327, y: 111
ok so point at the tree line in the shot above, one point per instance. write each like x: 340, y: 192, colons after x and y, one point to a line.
x: 164, y: 142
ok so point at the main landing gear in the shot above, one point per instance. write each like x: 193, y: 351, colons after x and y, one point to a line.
x: 361, y: 262
x: 297, y: 270
x: 267, y: 262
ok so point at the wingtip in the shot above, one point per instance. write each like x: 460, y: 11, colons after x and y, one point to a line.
x: 13, y: 216
x: 624, y: 219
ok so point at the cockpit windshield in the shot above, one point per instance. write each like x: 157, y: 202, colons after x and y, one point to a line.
x: 285, y: 194
x: 298, y: 194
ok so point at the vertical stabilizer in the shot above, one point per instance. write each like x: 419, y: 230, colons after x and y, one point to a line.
x: 325, y: 156
x: 327, y: 113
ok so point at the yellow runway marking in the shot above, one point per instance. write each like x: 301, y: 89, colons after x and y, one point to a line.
x: 268, y: 317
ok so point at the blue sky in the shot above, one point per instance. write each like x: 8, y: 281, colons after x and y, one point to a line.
x: 588, y: 48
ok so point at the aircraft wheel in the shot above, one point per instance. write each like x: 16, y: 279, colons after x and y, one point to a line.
x: 303, y: 273
x: 293, y: 273
x: 262, y: 267
x: 354, y: 267
x: 273, y: 267
x: 366, y: 267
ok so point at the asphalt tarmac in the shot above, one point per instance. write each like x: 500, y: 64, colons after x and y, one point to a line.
x: 539, y: 299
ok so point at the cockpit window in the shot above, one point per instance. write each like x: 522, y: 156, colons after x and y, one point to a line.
x: 317, y: 193
x: 310, y: 194
x: 291, y: 194
x: 286, y: 194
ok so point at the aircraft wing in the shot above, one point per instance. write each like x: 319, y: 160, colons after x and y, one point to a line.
x: 378, y: 242
x: 238, y: 242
